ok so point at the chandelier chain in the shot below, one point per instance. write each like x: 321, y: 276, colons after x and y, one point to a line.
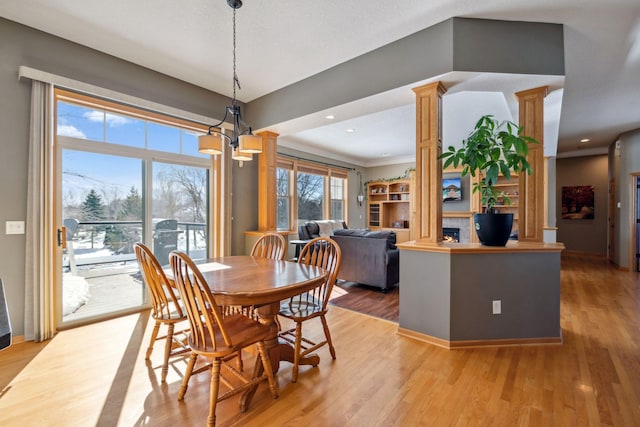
x: 235, y: 76
x: 242, y: 132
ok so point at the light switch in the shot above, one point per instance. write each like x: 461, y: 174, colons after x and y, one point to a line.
x: 14, y: 227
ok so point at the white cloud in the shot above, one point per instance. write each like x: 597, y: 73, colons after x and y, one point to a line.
x: 72, y: 131
x: 114, y: 120
x: 94, y: 116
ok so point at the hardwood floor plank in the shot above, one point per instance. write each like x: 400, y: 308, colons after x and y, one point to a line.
x: 96, y: 375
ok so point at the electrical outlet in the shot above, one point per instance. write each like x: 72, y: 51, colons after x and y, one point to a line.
x: 497, y: 306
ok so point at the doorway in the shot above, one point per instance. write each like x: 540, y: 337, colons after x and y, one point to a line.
x: 612, y: 221
x: 637, y: 223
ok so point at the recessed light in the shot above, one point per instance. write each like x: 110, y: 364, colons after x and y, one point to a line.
x: 350, y: 130
x: 584, y: 140
x: 330, y: 117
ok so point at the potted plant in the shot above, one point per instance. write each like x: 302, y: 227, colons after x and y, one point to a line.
x: 491, y: 149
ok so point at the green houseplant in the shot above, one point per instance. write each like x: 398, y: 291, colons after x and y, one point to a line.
x: 492, y: 149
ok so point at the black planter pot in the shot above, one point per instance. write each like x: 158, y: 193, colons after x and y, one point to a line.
x: 493, y: 229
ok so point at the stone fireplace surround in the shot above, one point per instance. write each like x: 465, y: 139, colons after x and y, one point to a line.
x: 463, y: 223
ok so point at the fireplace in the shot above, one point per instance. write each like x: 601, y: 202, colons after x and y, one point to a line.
x: 451, y: 234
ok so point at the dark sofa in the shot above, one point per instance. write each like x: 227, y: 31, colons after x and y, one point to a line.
x: 369, y: 257
x: 312, y: 229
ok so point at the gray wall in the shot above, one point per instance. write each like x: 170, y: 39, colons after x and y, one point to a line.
x: 623, y: 164
x: 585, y: 235
x: 244, y: 203
x: 449, y: 295
x: 457, y: 44
x: 20, y: 45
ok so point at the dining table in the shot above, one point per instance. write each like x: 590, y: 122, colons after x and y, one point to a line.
x: 262, y: 283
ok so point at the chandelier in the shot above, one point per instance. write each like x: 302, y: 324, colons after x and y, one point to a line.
x: 242, y: 140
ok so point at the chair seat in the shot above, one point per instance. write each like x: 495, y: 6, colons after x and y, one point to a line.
x: 324, y: 253
x: 301, y: 308
x: 243, y: 331
x: 171, y: 313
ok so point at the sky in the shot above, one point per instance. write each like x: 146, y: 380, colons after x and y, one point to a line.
x: 83, y: 170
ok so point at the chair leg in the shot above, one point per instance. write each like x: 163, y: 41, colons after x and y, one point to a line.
x: 327, y: 335
x: 296, y: 352
x: 154, y: 336
x: 187, y: 375
x: 266, y: 363
x: 167, y: 350
x: 239, y: 362
x: 213, y: 393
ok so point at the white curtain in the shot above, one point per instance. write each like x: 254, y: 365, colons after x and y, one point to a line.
x: 39, y: 321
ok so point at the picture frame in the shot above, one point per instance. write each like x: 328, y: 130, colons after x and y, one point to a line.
x: 578, y: 202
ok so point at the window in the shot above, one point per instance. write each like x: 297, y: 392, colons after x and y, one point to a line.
x: 310, y: 196
x: 283, y: 190
x: 125, y: 176
x: 319, y: 191
x: 97, y: 123
x: 337, y: 198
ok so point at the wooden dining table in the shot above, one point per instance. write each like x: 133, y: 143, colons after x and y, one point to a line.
x: 262, y: 283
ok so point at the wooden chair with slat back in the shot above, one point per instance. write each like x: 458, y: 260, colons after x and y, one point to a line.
x: 270, y: 245
x: 166, y: 307
x: 321, y: 252
x: 216, y: 337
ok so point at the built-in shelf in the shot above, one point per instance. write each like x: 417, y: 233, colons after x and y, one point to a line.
x: 389, y: 207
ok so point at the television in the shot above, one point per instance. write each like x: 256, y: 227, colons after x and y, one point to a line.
x: 451, y: 189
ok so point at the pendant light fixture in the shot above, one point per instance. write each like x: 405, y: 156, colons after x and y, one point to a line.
x: 242, y: 140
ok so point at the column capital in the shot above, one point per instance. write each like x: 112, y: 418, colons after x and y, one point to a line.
x: 429, y: 87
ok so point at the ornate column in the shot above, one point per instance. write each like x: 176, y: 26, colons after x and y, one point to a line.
x: 267, y: 198
x: 532, y: 192
x: 428, y: 199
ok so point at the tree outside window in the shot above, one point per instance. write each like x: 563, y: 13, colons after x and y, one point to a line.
x: 310, y: 197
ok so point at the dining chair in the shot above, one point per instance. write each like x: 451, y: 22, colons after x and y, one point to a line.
x: 270, y: 245
x: 165, y: 304
x: 217, y: 337
x: 321, y: 252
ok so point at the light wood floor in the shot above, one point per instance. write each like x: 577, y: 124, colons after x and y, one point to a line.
x: 96, y: 375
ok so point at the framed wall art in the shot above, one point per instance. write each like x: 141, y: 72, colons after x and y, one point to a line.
x: 578, y: 202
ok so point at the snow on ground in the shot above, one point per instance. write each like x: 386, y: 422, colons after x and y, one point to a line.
x: 75, y: 293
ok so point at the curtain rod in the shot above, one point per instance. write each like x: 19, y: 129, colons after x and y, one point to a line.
x: 316, y: 161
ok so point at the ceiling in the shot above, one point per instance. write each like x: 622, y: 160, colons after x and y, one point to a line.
x: 282, y: 42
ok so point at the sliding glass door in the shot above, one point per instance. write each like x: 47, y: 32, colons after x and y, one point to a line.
x: 102, y: 210
x: 122, y: 179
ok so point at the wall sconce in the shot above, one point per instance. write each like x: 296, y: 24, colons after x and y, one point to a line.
x: 360, y: 196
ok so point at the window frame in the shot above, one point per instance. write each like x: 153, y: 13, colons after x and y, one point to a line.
x: 309, y: 166
x: 148, y: 157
